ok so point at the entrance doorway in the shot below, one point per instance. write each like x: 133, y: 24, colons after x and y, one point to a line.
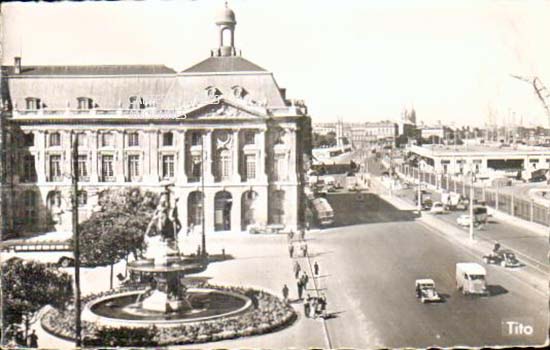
x: 222, y: 211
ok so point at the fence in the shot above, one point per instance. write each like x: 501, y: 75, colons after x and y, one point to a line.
x: 525, y: 209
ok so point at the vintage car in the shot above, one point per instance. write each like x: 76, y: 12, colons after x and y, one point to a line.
x: 425, y: 290
x: 438, y: 208
x: 504, y: 258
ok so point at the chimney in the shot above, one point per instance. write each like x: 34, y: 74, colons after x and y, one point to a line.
x: 17, y: 65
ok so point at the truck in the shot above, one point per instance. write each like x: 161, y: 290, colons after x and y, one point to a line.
x: 322, y: 211
x: 471, y: 279
x: 452, y: 200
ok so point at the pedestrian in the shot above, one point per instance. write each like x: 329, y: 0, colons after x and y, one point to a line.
x: 307, y: 306
x: 290, y: 235
x: 198, y: 250
x: 300, y: 288
x: 285, y: 292
x: 302, y: 234
x: 307, y: 225
x: 305, y: 280
x: 291, y: 249
x: 496, y: 247
x: 305, y: 250
x: 32, y: 340
x: 313, y: 307
x: 297, y: 269
x: 316, y: 268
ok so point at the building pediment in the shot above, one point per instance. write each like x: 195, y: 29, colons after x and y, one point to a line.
x: 223, y: 109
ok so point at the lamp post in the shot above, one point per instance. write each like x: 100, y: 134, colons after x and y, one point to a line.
x: 76, y: 244
x: 203, y: 229
x: 419, y: 195
x: 471, y: 206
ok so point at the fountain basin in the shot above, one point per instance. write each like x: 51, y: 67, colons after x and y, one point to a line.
x: 122, y: 310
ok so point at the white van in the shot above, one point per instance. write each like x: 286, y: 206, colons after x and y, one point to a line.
x: 470, y: 278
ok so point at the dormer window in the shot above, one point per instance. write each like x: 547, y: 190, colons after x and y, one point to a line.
x: 238, y: 91
x: 32, y: 103
x: 212, y: 92
x: 84, y: 103
x: 168, y: 139
x: 136, y: 102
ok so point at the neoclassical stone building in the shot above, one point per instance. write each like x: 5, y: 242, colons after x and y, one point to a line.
x: 137, y: 125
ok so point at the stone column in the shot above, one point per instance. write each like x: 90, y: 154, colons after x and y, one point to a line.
x: 66, y: 145
x: 292, y: 155
x: 261, y: 205
x: 262, y: 175
x: 208, y: 155
x: 209, y: 211
x: 119, y: 156
x: 41, y: 157
x: 181, y: 176
x: 236, y: 209
x: 235, y: 159
x: 94, y: 164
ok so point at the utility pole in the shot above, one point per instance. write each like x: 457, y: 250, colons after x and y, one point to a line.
x: 76, y: 245
x: 419, y: 194
x: 471, y: 206
x: 203, y: 229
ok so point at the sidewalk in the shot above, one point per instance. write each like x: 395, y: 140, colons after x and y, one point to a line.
x: 260, y: 261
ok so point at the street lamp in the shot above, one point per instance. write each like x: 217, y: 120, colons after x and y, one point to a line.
x: 472, y: 176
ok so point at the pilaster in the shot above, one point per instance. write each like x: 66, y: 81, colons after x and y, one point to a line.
x: 235, y: 159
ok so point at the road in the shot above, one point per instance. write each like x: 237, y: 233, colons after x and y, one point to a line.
x: 369, y: 272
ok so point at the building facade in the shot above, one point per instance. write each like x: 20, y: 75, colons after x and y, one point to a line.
x: 224, y: 120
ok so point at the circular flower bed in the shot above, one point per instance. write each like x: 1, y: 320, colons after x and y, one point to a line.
x: 268, y: 314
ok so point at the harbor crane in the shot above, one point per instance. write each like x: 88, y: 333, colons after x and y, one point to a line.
x: 540, y: 90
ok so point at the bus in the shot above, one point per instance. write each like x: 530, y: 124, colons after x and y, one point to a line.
x: 322, y: 211
x: 480, y: 214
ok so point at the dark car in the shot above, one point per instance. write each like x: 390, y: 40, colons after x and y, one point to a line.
x: 504, y: 258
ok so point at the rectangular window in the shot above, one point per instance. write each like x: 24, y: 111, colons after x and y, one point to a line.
x: 107, y: 168
x: 82, y: 167
x: 55, y: 139
x: 82, y: 198
x: 28, y: 140
x: 82, y: 140
x: 168, y: 166
x: 196, y: 166
x: 107, y: 140
x: 250, y: 167
x: 29, y: 169
x: 249, y: 138
x: 133, y: 166
x: 55, y: 168
x: 133, y: 139
x: 168, y: 139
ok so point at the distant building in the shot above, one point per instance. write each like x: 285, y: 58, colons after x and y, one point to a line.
x: 481, y: 159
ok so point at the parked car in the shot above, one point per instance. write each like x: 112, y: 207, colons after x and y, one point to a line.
x: 504, y: 258
x: 438, y: 208
x: 425, y: 290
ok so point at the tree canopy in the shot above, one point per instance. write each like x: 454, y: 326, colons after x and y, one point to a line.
x: 28, y: 285
x: 118, y: 228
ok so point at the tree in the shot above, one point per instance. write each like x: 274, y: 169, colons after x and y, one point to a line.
x: 118, y: 229
x: 29, y: 285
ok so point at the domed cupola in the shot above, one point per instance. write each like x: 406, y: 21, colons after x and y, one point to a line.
x: 226, y: 22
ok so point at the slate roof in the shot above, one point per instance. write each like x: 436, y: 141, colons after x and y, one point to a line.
x: 220, y: 64
x: 90, y: 70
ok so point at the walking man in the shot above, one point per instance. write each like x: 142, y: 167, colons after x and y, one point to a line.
x: 32, y: 340
x: 285, y: 292
x: 307, y: 306
x: 300, y: 289
x: 291, y: 249
x: 316, y: 269
x: 305, y: 280
x: 297, y: 269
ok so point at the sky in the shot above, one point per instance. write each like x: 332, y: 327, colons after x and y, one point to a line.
x: 358, y: 60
